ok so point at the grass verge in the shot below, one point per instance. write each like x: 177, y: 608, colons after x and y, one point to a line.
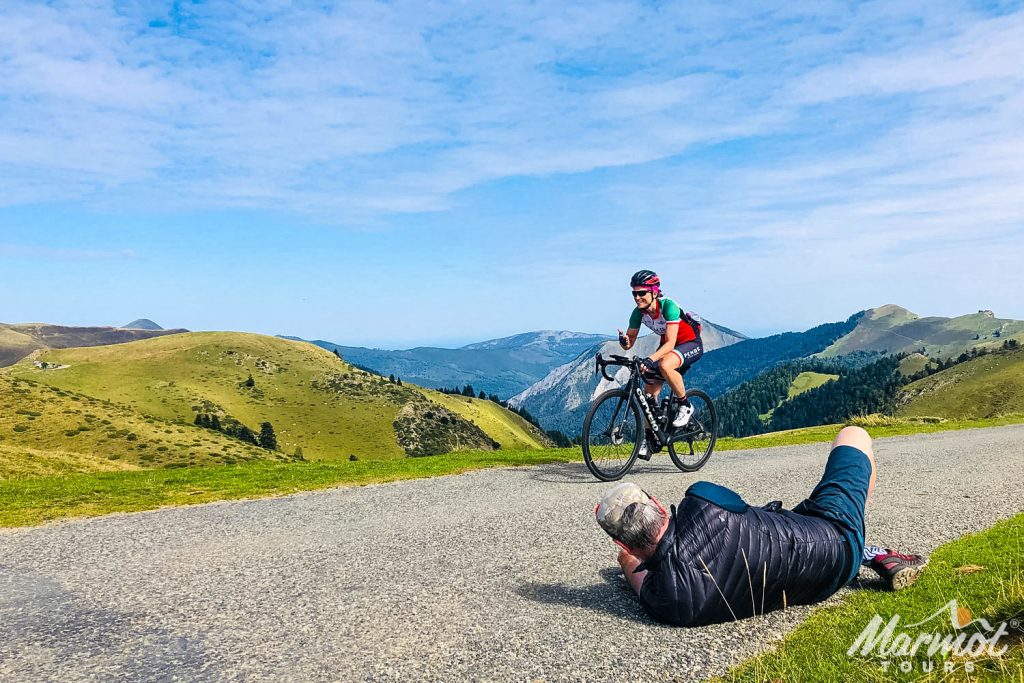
x: 34, y: 500
x: 983, y: 572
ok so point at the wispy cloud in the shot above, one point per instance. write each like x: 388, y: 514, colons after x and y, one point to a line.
x: 733, y: 139
x: 377, y: 108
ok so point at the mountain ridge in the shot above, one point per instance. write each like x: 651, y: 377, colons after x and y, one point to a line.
x: 19, y: 340
x: 502, y: 366
x: 142, y: 324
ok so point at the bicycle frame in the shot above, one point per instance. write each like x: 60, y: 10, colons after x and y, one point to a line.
x: 635, y: 390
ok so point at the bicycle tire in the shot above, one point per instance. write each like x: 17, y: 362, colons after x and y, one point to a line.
x: 699, y: 434
x: 604, y: 450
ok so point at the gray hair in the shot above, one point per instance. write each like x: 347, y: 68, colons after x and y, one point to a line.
x: 640, y: 526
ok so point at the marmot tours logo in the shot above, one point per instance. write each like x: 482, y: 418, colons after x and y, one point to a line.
x: 890, y: 642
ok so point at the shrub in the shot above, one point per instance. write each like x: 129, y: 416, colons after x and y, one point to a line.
x: 21, y: 428
x: 875, y: 420
x: 71, y: 432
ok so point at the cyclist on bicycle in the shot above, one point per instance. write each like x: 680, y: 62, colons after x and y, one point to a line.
x: 680, y: 347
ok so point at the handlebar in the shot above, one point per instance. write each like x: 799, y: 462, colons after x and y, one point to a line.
x: 613, y: 359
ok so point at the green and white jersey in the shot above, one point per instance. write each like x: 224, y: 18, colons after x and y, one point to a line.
x: 666, y: 312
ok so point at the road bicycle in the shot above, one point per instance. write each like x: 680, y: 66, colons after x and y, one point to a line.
x: 619, y: 418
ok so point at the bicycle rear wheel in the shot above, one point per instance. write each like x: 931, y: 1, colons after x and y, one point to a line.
x: 691, y: 445
x: 612, y: 432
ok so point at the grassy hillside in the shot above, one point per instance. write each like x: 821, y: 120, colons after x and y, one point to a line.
x: 806, y: 381
x: 891, y: 329
x: 504, y: 426
x: 18, y: 341
x: 988, y: 386
x: 315, y: 401
x: 913, y: 364
x: 48, y: 431
x: 175, y: 377
x: 803, y: 382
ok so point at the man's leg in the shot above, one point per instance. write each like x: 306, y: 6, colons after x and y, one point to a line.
x: 897, y: 569
x: 861, y: 440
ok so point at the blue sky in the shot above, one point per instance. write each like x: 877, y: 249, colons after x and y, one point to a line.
x: 394, y: 174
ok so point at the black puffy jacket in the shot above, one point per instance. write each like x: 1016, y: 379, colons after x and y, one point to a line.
x: 721, y: 559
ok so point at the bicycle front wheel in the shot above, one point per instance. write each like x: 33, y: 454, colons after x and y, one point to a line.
x: 691, y: 445
x: 612, y: 433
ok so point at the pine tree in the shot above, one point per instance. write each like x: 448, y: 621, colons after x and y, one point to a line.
x: 250, y: 383
x: 267, y: 438
x: 246, y: 435
x: 468, y: 391
x: 482, y: 395
x: 391, y: 378
x: 215, y: 422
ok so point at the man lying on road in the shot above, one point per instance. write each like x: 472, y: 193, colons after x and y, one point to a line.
x: 716, y: 558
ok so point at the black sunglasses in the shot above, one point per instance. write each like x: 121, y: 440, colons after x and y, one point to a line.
x: 639, y: 294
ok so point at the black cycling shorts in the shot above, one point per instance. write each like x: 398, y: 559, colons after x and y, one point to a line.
x: 688, y: 352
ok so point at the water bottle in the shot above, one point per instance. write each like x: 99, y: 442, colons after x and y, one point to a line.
x: 652, y: 403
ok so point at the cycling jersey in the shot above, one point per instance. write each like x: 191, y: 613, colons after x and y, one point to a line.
x: 666, y: 313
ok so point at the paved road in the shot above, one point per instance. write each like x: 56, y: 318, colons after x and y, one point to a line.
x: 494, y: 575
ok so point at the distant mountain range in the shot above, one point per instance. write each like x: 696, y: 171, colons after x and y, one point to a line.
x: 560, y: 400
x: 502, y: 367
x: 550, y: 374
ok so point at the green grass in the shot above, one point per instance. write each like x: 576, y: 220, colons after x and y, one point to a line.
x: 817, y: 649
x: 987, y: 386
x: 806, y: 381
x: 168, y: 376
x: 914, y: 363
x: 44, y: 431
x: 36, y: 500
x: 28, y: 500
x: 315, y: 401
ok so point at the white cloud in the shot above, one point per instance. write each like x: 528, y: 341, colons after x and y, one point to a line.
x: 359, y: 111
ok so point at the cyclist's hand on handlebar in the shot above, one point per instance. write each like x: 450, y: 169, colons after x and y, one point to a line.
x: 650, y: 366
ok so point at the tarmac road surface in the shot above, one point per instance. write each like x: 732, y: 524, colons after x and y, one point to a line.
x: 497, y: 575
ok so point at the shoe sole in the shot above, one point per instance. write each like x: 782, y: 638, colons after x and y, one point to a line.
x: 905, y: 577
